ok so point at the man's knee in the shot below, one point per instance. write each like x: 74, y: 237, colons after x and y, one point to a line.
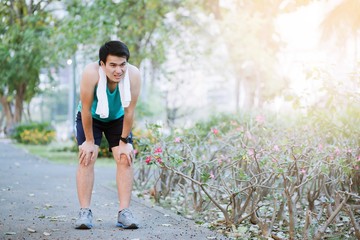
x: 89, y: 164
x: 122, y: 160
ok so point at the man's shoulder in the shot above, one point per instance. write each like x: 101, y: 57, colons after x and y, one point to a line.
x: 92, y: 68
x: 91, y: 73
x: 133, y: 71
x: 133, y: 68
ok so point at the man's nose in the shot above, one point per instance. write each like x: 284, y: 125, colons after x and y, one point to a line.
x: 118, y: 69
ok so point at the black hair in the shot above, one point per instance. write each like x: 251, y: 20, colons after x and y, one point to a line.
x: 116, y: 48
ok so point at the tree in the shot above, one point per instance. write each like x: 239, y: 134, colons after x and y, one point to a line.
x: 34, y: 38
x: 140, y: 24
x: 25, y: 48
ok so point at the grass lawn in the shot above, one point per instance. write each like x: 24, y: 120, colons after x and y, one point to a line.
x: 54, y: 152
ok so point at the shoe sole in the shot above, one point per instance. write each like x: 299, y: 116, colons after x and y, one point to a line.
x: 132, y: 226
x: 84, y: 226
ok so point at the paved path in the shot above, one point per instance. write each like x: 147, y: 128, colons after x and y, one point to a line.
x: 38, y: 195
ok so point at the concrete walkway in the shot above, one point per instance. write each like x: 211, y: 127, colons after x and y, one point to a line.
x: 38, y: 201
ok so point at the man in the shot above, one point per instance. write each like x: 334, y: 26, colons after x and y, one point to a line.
x: 109, y: 90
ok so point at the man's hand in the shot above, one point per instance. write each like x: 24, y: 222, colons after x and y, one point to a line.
x: 88, y: 151
x: 126, y: 150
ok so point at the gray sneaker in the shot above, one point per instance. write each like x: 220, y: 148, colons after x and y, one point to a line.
x: 85, y: 219
x: 127, y: 220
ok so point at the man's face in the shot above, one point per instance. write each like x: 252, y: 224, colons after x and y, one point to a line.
x: 115, y: 67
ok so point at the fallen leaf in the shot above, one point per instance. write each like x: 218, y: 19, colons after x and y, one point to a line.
x: 211, y: 237
x: 99, y: 220
x: 46, y: 233
x: 31, y: 195
x: 10, y: 233
x: 31, y: 230
x: 166, y: 225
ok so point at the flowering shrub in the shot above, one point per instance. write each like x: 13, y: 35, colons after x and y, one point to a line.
x: 34, y: 133
x: 288, y: 177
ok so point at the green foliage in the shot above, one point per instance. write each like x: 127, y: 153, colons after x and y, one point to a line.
x: 26, y: 47
x: 34, y: 133
x: 140, y: 24
x: 338, y: 109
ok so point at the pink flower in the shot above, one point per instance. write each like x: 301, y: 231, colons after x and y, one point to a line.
x: 358, y: 158
x: 158, y: 150
x: 159, y: 160
x: 274, y: 160
x: 260, y: 119
x: 276, y: 148
x: 148, y: 160
x: 215, y: 131
x: 320, y: 147
x: 303, y: 171
x: 212, y: 176
x: 356, y: 167
x: 177, y: 139
x: 135, y: 151
x: 337, y: 151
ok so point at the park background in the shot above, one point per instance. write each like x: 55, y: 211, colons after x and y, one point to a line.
x: 256, y: 101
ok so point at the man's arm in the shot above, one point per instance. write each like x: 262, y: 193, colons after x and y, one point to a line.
x: 135, y: 86
x: 87, y: 87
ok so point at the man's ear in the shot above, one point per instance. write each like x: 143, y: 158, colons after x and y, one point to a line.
x: 102, y: 63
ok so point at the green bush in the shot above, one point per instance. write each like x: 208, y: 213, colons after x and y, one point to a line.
x: 34, y: 133
x: 279, y: 172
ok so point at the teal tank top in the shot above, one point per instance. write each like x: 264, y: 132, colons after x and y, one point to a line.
x: 116, y: 109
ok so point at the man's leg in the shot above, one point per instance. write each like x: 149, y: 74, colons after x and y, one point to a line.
x: 85, y: 178
x: 124, y: 179
x: 85, y: 183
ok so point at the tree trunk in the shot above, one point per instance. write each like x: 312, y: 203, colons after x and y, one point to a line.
x: 8, y: 114
x: 19, y: 102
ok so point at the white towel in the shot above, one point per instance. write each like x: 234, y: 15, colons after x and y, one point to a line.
x: 102, y: 108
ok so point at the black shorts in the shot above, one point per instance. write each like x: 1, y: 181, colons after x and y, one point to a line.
x: 112, y: 131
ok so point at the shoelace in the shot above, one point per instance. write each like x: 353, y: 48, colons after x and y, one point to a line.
x: 84, y: 213
x: 127, y: 213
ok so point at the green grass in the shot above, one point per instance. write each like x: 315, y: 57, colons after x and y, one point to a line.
x: 54, y: 153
